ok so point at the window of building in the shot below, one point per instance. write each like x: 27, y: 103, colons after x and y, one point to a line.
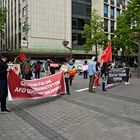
x: 123, y: 4
x: 117, y: 12
x: 81, y: 23
x: 24, y: 11
x: 106, y: 1
x: 118, y: 3
x: 112, y: 2
x: 74, y: 23
x: 106, y: 25
x: 112, y: 23
x: 105, y: 10
x: 112, y: 12
x: 81, y: 9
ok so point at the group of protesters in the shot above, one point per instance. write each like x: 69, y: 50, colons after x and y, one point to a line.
x: 92, y: 69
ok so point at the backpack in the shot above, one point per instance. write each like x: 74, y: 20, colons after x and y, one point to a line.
x: 37, y: 67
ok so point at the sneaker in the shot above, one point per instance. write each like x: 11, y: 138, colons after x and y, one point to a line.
x: 5, y: 111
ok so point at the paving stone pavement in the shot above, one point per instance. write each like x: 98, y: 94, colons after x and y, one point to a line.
x: 80, y: 116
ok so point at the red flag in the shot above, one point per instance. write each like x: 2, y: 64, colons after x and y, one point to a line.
x: 107, y: 54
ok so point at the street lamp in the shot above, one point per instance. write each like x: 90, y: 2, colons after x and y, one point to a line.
x: 136, y: 35
x: 65, y: 43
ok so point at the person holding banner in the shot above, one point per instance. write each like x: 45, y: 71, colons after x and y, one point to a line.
x: 3, y: 82
x: 66, y: 68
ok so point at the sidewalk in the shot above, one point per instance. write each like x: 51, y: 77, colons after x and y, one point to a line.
x: 80, y: 116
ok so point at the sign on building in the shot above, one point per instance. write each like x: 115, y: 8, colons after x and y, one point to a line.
x: 24, y: 44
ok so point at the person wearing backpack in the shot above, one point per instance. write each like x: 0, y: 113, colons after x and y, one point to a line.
x: 37, y: 69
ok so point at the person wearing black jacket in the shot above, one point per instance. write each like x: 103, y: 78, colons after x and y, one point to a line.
x: 3, y: 82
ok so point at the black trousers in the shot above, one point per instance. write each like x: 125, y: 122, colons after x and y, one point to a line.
x: 71, y: 78
x: 37, y: 74
x: 85, y: 74
x: 67, y: 85
x: 3, y: 93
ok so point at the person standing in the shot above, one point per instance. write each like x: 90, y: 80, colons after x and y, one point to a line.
x: 51, y: 68
x: 37, y: 69
x: 3, y: 82
x: 85, y: 69
x: 65, y: 68
x: 72, y: 71
x: 27, y: 71
x: 127, y: 69
x: 104, y: 73
x: 91, y: 72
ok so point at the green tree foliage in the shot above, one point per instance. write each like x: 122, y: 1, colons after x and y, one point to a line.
x: 93, y: 33
x: 127, y: 24
x: 2, y: 17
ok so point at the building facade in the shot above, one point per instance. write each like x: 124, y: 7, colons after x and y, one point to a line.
x: 38, y: 27
x: 109, y: 10
x: 2, y: 35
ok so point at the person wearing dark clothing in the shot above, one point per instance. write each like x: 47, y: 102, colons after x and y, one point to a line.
x: 3, y: 82
x: 37, y: 69
x: 85, y: 70
x: 104, y: 73
x: 127, y: 69
x: 51, y: 68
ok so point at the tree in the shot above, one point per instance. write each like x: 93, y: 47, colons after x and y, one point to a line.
x: 2, y: 18
x: 128, y: 23
x: 93, y: 33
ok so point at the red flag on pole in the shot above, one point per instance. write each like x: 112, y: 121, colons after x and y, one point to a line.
x: 107, y: 54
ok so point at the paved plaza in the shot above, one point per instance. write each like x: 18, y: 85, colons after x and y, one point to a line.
x: 111, y: 115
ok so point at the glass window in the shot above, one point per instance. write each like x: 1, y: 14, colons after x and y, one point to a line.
x: 81, y: 23
x: 112, y: 12
x: 106, y: 1
x: 81, y: 9
x: 118, y: 12
x: 112, y: 26
x: 118, y: 3
x: 105, y: 10
x: 123, y: 4
x: 74, y: 23
x: 112, y: 2
x: 106, y: 25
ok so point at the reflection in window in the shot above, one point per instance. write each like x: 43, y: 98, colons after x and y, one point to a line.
x: 118, y: 12
x: 112, y: 12
x: 112, y: 26
x: 81, y: 9
x: 105, y: 10
x: 123, y: 4
x: 78, y: 23
x: 118, y: 3
x: 106, y: 25
x: 106, y: 1
x: 112, y: 2
x: 78, y: 37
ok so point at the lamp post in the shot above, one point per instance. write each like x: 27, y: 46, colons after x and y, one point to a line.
x: 136, y: 35
x: 65, y: 43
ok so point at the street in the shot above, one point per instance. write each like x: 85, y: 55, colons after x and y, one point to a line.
x: 111, y: 115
